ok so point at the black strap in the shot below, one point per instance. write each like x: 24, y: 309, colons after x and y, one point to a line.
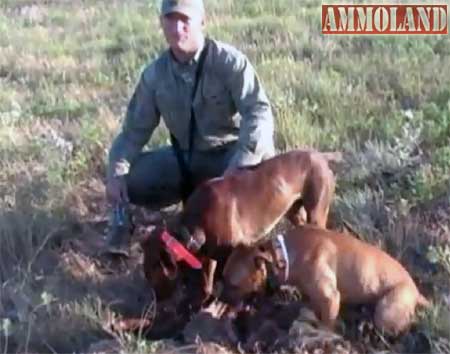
x: 187, y: 183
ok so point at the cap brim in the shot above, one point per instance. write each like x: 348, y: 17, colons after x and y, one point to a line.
x: 184, y: 10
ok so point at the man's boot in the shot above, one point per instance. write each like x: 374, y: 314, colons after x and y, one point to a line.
x: 120, y: 231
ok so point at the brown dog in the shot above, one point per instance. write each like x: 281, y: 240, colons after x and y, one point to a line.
x: 329, y: 268
x: 166, y: 275
x: 160, y: 266
x: 242, y: 207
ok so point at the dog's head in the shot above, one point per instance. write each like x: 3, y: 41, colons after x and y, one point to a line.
x: 245, y: 273
x: 160, y: 266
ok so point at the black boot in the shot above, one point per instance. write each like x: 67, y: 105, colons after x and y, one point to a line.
x: 120, y: 231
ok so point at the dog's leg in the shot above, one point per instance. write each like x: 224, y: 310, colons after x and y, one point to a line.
x: 395, y: 310
x: 324, y: 295
x: 317, y: 208
x: 313, y: 202
x: 297, y: 213
x: 200, y: 286
x: 329, y: 298
x: 318, y: 196
x: 318, y: 217
x: 208, y: 274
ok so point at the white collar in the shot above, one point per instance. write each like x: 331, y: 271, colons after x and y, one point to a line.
x: 281, y: 255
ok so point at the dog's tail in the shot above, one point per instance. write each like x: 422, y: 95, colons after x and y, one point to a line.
x: 422, y: 301
x: 335, y: 156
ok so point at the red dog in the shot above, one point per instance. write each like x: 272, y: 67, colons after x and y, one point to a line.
x: 242, y: 208
x: 329, y: 268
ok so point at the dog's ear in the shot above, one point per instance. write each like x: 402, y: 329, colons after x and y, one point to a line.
x: 146, y: 234
x: 260, y: 262
x: 262, y: 257
x: 144, y: 240
x: 169, y: 270
x: 168, y: 264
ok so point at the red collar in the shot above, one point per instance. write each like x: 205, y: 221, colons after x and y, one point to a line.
x: 179, y: 251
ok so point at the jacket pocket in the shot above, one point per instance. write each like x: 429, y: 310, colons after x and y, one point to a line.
x: 218, y: 106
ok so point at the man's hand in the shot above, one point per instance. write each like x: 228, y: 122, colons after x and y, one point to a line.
x: 116, y: 190
x: 116, y: 186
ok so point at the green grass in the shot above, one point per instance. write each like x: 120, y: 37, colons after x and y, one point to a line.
x: 67, y: 70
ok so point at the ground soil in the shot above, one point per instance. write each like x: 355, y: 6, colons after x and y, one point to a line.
x: 75, y: 266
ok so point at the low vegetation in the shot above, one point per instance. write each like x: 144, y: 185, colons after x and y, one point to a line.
x: 67, y: 69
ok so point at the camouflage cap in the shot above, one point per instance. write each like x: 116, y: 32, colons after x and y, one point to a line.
x: 189, y: 8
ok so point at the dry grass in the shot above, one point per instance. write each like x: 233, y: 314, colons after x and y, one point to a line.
x: 67, y: 69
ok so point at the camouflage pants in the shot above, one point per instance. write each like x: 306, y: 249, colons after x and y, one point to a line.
x: 154, y: 178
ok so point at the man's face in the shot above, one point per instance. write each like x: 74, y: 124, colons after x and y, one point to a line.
x: 182, y: 32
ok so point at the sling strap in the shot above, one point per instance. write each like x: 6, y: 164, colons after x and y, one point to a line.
x: 187, y: 182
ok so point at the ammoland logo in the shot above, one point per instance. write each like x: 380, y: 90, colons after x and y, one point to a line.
x: 385, y: 19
